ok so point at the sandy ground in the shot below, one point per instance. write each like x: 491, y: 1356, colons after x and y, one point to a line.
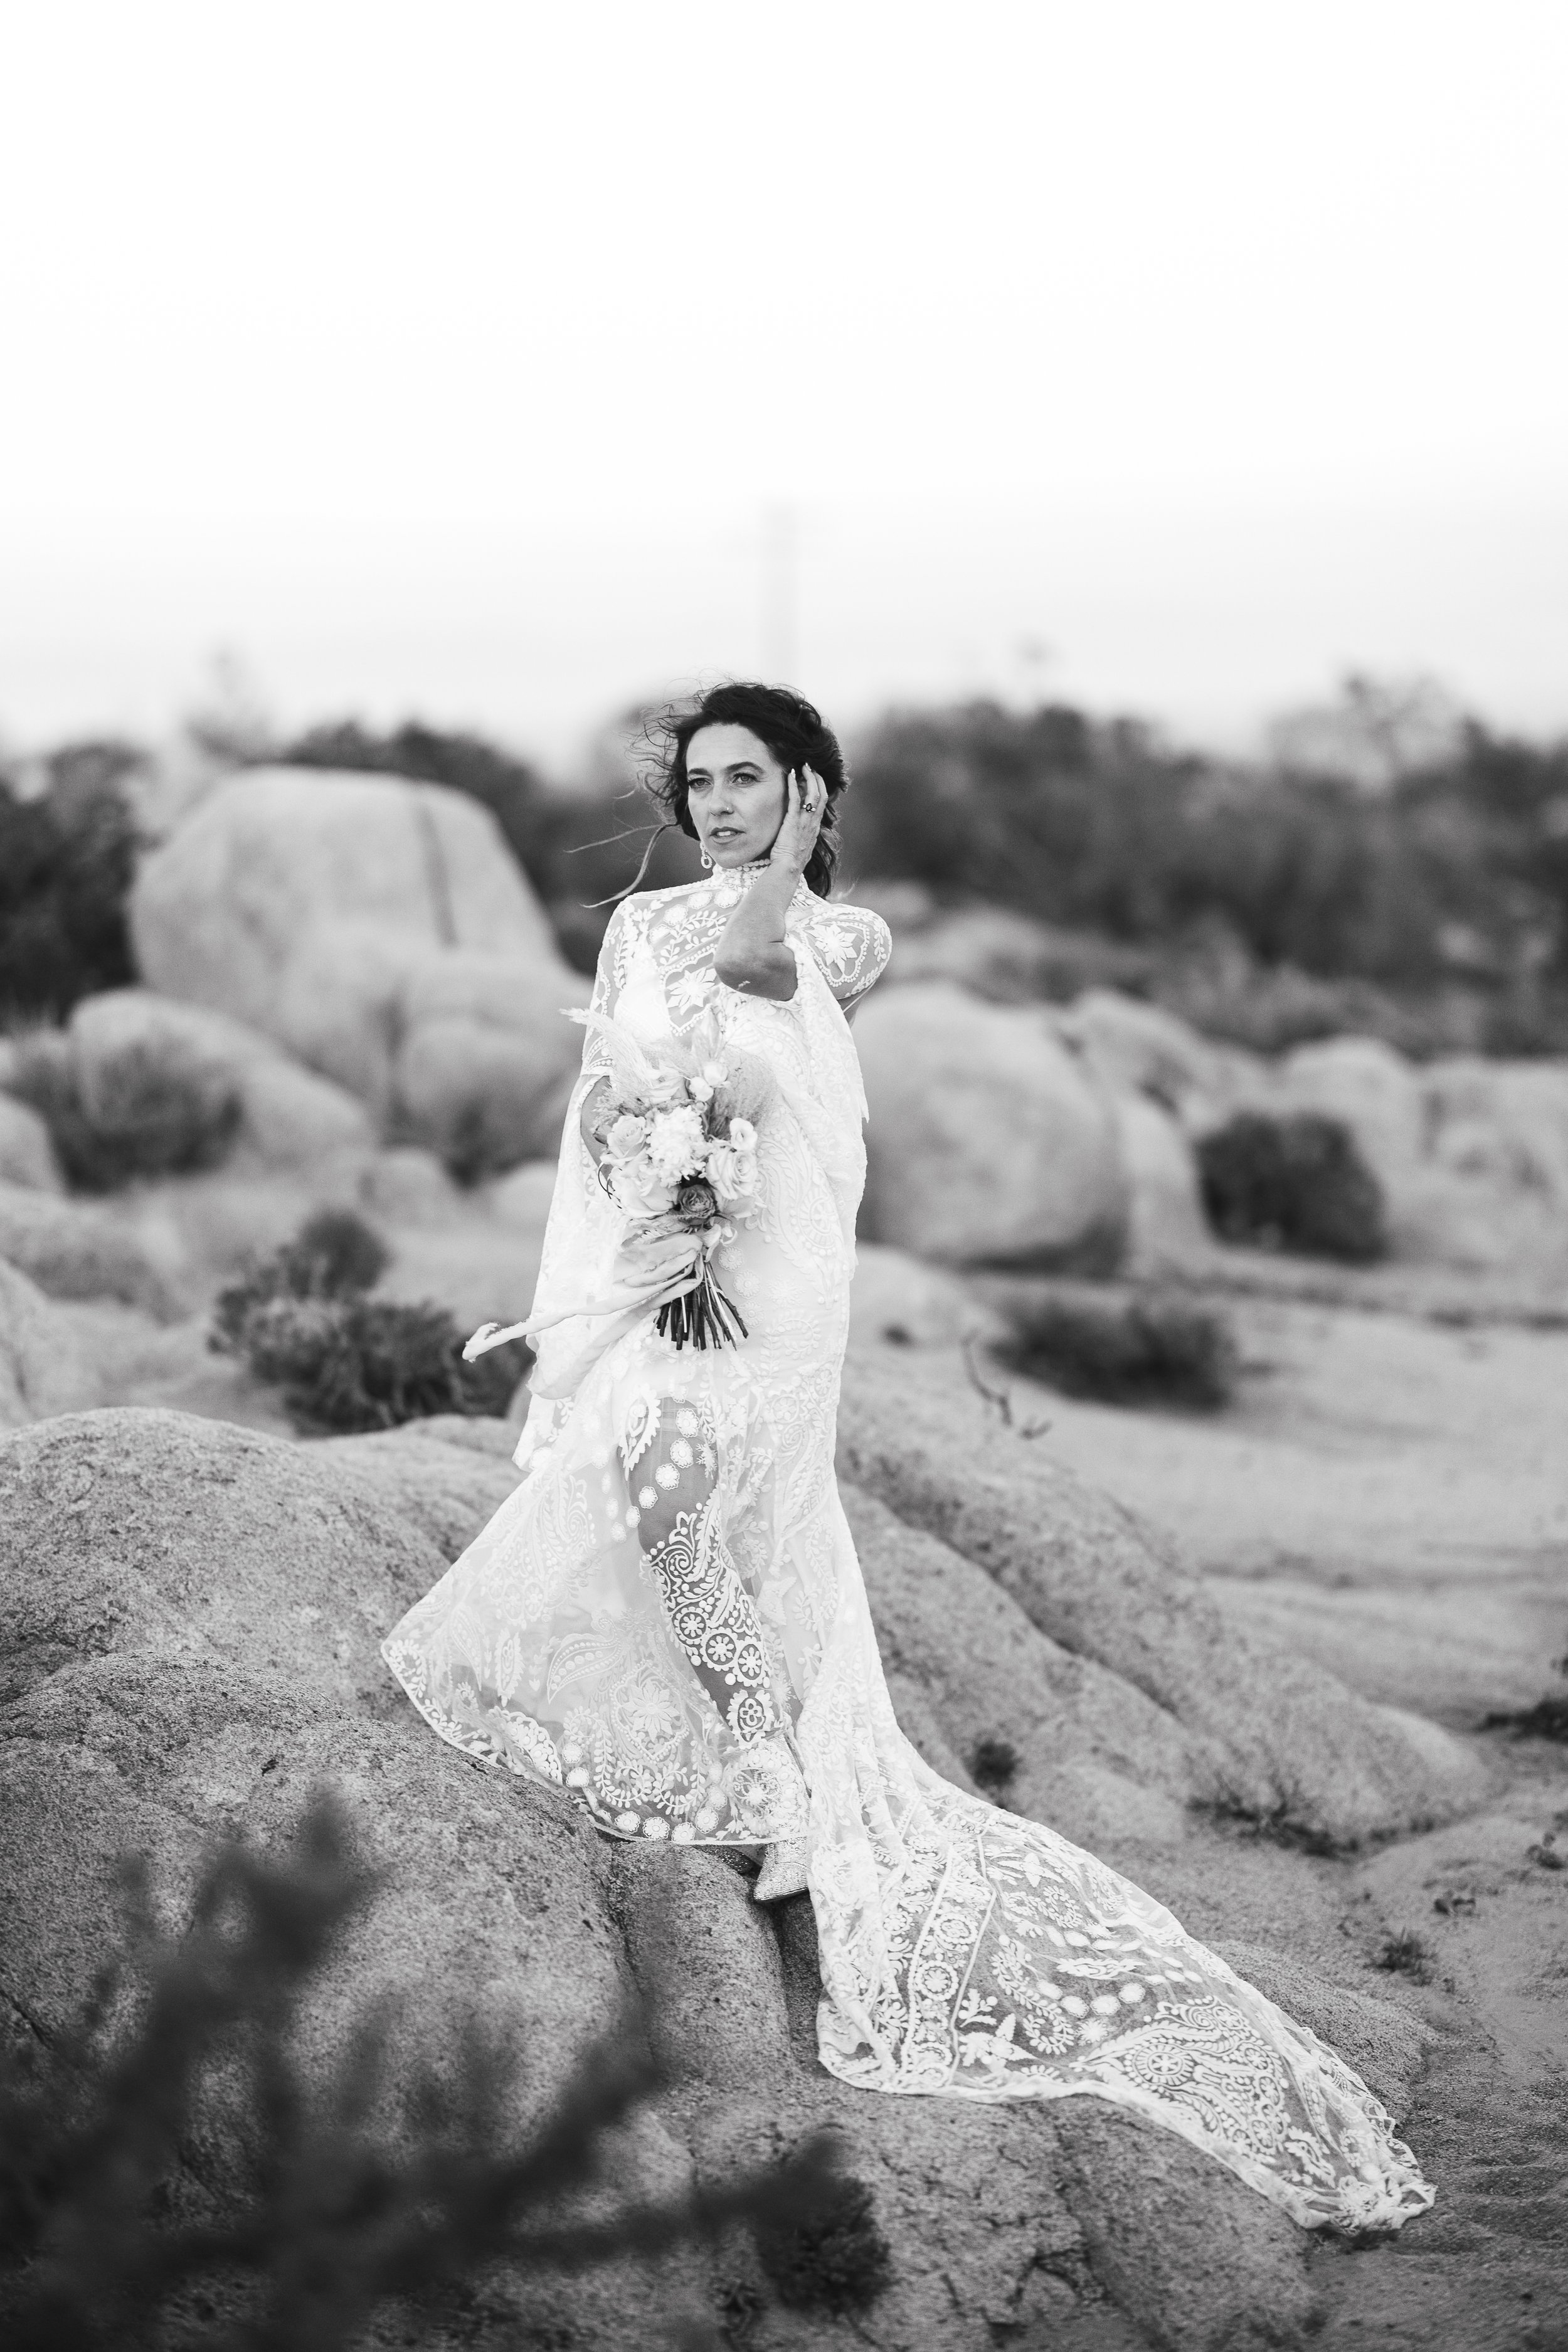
x: 1391, y: 1495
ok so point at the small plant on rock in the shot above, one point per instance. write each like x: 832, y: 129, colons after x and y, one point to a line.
x: 835, y: 2260
x: 344, y: 1361
x: 1405, y: 1954
x: 994, y: 1766
x: 1547, y: 1720
x: 1294, y: 1184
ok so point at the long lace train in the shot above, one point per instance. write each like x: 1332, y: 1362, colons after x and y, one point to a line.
x: 667, y: 1617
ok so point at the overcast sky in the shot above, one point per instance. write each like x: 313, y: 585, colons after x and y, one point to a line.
x: 490, y: 360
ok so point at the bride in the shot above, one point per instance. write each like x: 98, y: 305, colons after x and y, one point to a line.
x: 668, y: 1618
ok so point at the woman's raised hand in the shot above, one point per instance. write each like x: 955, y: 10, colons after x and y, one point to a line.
x: 805, y: 799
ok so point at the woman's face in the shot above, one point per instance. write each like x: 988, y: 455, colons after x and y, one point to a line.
x: 735, y: 791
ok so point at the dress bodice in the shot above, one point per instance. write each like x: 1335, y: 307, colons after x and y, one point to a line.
x: 668, y: 938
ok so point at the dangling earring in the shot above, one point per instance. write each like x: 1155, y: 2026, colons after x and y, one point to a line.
x: 706, y: 862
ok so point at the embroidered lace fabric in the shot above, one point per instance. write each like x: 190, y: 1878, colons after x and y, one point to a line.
x: 667, y: 1617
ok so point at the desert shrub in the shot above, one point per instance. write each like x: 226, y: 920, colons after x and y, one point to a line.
x: 107, y: 2241
x: 1211, y: 978
x: 1405, y: 1954
x: 1442, y: 894
x: 1121, y: 1349
x: 346, y: 1365
x: 346, y: 1362
x: 170, y: 1116
x: 1547, y: 1720
x: 994, y: 1766
x: 1297, y: 1182
x: 835, y: 2260
x: 67, y: 857
x: 1285, y: 1822
x: 335, y: 1254
x: 1456, y: 868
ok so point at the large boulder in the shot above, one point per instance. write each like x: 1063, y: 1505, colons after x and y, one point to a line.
x: 44, y: 1369
x: 522, y: 1197
x: 192, y: 1614
x: 1375, y: 1091
x: 987, y: 1144
x: 1168, y: 1227
x: 1288, y: 1744
x: 1136, y: 1048
x: 1502, y: 1124
x: 222, y: 1543
x: 382, y: 932
x: 27, y: 1155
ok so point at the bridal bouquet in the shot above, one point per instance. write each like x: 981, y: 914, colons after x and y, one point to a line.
x: 680, y: 1163
x: 679, y: 1135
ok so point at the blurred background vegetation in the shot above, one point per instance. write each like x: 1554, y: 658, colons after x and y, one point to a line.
x: 1393, y: 866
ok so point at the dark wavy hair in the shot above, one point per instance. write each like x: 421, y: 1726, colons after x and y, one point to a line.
x: 793, y: 731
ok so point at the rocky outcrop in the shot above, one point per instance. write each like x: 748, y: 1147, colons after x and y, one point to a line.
x: 191, y: 1615
x: 381, y: 930
x: 1105, y: 1765
x: 1166, y: 1225
x: 1285, y: 1743
x: 169, y: 1532
x: 1136, y: 1048
x: 44, y: 1369
x: 898, y: 1298
x: 27, y: 1155
x: 987, y: 1144
x: 1501, y: 1124
x: 1374, y: 1091
x: 74, y: 1249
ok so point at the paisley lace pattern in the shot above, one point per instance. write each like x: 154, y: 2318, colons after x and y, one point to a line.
x: 668, y: 1616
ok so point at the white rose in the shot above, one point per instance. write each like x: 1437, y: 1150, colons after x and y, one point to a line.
x: 640, y: 1190
x: 723, y: 1163
x: 743, y: 1135
x: 676, y: 1144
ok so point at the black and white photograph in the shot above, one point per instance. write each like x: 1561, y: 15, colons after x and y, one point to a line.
x: 784, y: 1177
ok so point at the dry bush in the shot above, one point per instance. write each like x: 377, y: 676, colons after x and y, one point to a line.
x: 1297, y: 1182
x: 108, y: 2242
x: 171, y: 1117
x: 346, y: 1362
x: 1122, y: 1349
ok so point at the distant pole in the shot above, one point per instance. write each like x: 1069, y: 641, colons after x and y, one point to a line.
x: 781, y: 591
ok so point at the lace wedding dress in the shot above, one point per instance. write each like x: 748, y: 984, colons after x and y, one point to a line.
x: 667, y: 1617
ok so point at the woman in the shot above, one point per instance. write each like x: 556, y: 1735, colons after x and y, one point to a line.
x: 668, y: 1615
